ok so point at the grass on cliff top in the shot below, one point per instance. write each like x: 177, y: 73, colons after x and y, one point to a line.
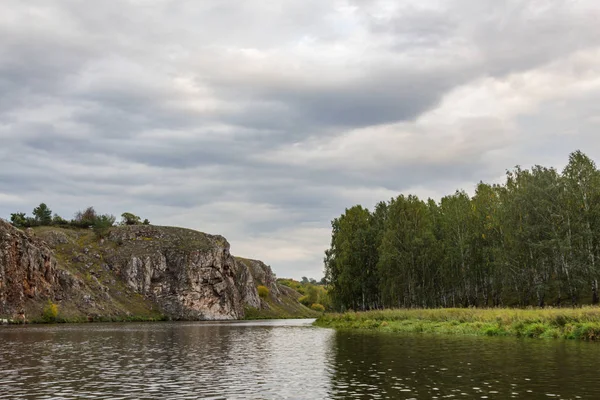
x: 581, y: 323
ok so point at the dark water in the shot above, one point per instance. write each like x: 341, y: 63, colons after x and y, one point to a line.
x: 284, y: 359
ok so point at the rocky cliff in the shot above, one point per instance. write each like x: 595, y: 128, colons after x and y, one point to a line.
x: 130, y: 272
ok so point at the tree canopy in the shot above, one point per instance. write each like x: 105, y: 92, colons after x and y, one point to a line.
x: 534, y: 240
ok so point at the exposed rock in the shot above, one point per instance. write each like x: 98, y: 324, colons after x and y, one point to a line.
x: 189, y: 274
x: 262, y: 274
x: 246, y: 285
x: 27, y: 269
x: 179, y: 273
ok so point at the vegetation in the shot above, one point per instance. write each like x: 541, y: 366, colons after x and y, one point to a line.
x: 582, y: 323
x: 317, y: 307
x: 263, y: 291
x: 312, y: 292
x: 50, y: 312
x: 132, y: 219
x: 42, y: 215
x: 534, y: 240
x: 88, y: 218
x: 286, y: 306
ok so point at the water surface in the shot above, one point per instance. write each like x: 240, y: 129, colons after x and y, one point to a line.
x: 284, y: 359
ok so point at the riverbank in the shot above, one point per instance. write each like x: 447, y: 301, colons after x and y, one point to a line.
x: 580, y: 323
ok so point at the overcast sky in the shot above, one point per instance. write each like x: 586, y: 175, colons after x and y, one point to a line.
x: 261, y: 120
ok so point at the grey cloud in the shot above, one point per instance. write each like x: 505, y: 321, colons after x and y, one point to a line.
x: 85, y: 87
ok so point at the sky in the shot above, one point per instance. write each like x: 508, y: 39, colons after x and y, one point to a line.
x: 262, y: 120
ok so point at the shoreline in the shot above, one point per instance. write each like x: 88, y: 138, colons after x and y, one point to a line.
x: 136, y: 319
x: 551, y: 323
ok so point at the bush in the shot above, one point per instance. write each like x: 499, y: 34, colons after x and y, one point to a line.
x: 305, y: 300
x: 131, y: 219
x: 102, y: 224
x: 317, y: 307
x: 59, y: 221
x: 263, y: 291
x: 85, y: 219
x: 18, y: 219
x: 50, y: 312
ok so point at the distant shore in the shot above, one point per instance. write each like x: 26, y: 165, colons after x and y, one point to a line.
x: 560, y: 323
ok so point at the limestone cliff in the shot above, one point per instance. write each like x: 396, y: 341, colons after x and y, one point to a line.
x: 134, y: 271
x: 27, y: 269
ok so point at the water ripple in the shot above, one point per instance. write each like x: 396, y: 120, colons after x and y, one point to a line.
x: 282, y: 360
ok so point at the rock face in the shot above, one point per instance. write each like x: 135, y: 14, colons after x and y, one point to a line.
x: 262, y: 274
x: 133, y: 270
x: 28, y: 270
x: 190, y: 275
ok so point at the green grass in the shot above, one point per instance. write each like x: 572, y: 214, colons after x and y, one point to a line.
x: 580, y: 323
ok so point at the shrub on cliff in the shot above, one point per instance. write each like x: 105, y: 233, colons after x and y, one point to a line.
x: 42, y: 215
x: 130, y: 219
x: 20, y: 220
x: 263, y: 291
x: 85, y: 219
x: 57, y: 220
x: 318, y: 307
x: 103, y: 224
x: 50, y: 312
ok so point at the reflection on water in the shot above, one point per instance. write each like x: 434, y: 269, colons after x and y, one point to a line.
x: 165, y: 360
x: 388, y: 366
x: 283, y: 359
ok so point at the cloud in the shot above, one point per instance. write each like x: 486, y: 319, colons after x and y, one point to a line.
x: 262, y: 122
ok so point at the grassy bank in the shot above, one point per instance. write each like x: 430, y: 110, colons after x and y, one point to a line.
x: 580, y: 323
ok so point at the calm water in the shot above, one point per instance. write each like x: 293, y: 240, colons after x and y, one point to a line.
x: 284, y: 359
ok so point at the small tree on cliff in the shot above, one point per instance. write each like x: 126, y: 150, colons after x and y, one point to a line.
x: 85, y: 218
x: 18, y: 220
x: 103, y: 224
x: 42, y: 214
x: 130, y: 219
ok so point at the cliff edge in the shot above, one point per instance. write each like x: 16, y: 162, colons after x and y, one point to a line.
x: 133, y: 272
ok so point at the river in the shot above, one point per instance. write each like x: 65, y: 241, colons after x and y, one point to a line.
x: 284, y: 359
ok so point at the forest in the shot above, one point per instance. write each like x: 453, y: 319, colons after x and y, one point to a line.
x: 533, y: 240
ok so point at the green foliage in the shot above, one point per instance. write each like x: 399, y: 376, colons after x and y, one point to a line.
x: 19, y: 220
x: 57, y: 220
x: 42, y: 215
x: 304, y: 300
x: 312, y: 291
x: 102, y: 224
x: 50, y: 312
x: 291, y: 283
x: 317, y: 307
x: 263, y: 291
x: 85, y: 219
x: 535, y: 240
x: 130, y: 219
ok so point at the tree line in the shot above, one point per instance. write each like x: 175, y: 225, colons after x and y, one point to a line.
x: 42, y: 216
x: 533, y: 240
